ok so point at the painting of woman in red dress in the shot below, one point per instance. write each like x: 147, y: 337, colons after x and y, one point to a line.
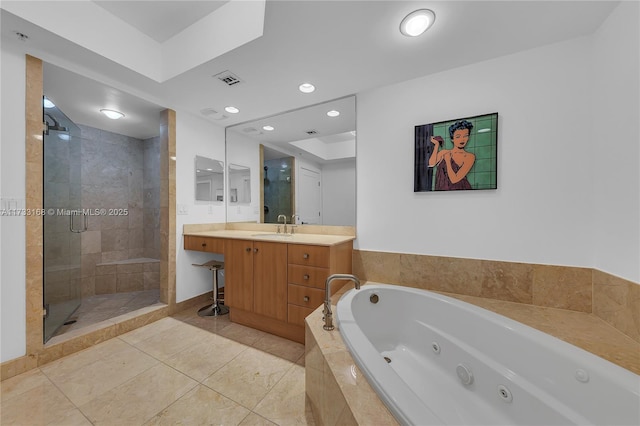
x: 453, y: 164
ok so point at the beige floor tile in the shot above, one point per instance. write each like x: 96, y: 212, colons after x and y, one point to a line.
x: 139, y: 399
x: 249, y: 377
x: 212, y: 324
x: 280, y: 347
x: 166, y: 344
x: 285, y: 403
x: 42, y: 404
x: 143, y: 333
x: 242, y: 334
x: 255, y: 420
x: 22, y: 383
x: 206, y: 357
x: 89, y: 382
x: 74, y: 362
x: 201, y: 406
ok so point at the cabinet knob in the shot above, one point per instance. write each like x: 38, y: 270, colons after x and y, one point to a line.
x: 306, y: 298
x: 255, y: 250
x: 305, y: 276
x: 248, y: 249
x: 204, y: 244
x: 305, y: 256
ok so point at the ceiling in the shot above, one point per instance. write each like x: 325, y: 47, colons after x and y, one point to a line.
x: 342, y: 47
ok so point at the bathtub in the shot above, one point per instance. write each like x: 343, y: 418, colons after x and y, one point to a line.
x: 436, y: 360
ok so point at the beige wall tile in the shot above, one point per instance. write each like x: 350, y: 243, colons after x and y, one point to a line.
x: 508, y: 281
x: 377, y: 266
x: 617, y: 301
x: 562, y: 287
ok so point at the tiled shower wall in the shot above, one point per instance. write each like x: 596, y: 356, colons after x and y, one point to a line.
x: 113, y: 179
x: 277, y: 188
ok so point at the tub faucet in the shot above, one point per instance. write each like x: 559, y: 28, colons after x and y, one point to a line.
x: 328, y: 315
x: 285, y: 222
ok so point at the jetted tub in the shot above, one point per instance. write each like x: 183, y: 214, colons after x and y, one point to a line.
x: 436, y: 360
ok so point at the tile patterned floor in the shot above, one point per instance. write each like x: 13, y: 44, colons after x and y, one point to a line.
x: 184, y: 369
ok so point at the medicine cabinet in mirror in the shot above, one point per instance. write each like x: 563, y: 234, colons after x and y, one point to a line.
x: 209, y: 179
x: 302, y: 165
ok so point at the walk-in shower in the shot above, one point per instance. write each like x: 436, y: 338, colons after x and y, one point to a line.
x: 101, y: 223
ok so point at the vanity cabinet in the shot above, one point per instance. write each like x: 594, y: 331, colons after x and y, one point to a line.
x: 211, y: 245
x: 308, y: 269
x: 274, y: 285
x: 256, y: 277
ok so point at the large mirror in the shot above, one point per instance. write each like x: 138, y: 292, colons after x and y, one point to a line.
x: 302, y: 165
x: 209, y: 179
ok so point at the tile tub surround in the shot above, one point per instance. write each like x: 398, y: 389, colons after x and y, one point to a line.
x: 338, y: 393
x: 129, y: 275
x: 613, y: 299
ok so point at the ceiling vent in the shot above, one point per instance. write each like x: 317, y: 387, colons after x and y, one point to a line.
x: 228, y: 78
x: 252, y: 131
x: 212, y: 113
x: 312, y: 132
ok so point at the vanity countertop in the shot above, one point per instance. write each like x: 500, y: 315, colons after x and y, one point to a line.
x: 296, y: 238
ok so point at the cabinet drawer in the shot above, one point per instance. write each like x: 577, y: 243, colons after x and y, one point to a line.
x: 297, y: 314
x: 305, y: 296
x: 308, y: 276
x: 208, y: 244
x: 300, y: 254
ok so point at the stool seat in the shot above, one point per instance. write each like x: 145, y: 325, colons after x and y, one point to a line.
x: 216, y: 308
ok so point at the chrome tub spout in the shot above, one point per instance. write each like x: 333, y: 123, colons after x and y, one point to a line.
x: 328, y: 315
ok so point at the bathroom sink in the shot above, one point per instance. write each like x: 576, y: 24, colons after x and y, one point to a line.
x: 279, y: 236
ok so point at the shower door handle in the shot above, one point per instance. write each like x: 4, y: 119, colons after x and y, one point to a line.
x: 85, y: 224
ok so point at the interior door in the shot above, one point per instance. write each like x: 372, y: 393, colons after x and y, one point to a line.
x: 63, y: 219
x: 310, y: 205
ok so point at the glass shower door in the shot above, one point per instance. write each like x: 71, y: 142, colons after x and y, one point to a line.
x: 63, y: 219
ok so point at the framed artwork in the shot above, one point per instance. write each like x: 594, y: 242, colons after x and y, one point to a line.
x: 459, y: 154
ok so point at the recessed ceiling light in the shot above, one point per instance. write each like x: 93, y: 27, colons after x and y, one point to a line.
x: 417, y: 22
x: 231, y: 110
x: 64, y: 136
x: 48, y: 104
x: 307, y: 87
x: 333, y: 113
x: 112, y: 114
x: 268, y: 128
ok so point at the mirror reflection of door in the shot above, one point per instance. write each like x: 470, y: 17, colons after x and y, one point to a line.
x: 310, y: 197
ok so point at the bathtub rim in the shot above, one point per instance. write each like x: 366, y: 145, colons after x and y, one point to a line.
x: 346, y: 324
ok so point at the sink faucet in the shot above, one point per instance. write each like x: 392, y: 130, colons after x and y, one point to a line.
x: 285, y: 222
x: 328, y: 315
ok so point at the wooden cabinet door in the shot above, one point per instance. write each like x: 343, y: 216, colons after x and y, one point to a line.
x: 270, y: 279
x: 239, y: 273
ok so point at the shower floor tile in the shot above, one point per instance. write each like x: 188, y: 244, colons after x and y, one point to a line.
x: 102, y: 307
x: 182, y: 369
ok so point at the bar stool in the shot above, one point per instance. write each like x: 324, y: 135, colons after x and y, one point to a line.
x: 216, y: 308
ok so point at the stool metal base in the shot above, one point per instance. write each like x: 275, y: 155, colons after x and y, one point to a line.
x: 213, y: 310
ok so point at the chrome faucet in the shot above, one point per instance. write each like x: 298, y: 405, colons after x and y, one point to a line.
x: 328, y: 315
x: 293, y: 222
x: 285, y: 222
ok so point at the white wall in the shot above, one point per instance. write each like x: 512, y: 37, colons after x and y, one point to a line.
x: 559, y: 200
x: 541, y: 211
x: 194, y: 136
x: 339, y: 193
x: 616, y: 130
x: 12, y: 180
